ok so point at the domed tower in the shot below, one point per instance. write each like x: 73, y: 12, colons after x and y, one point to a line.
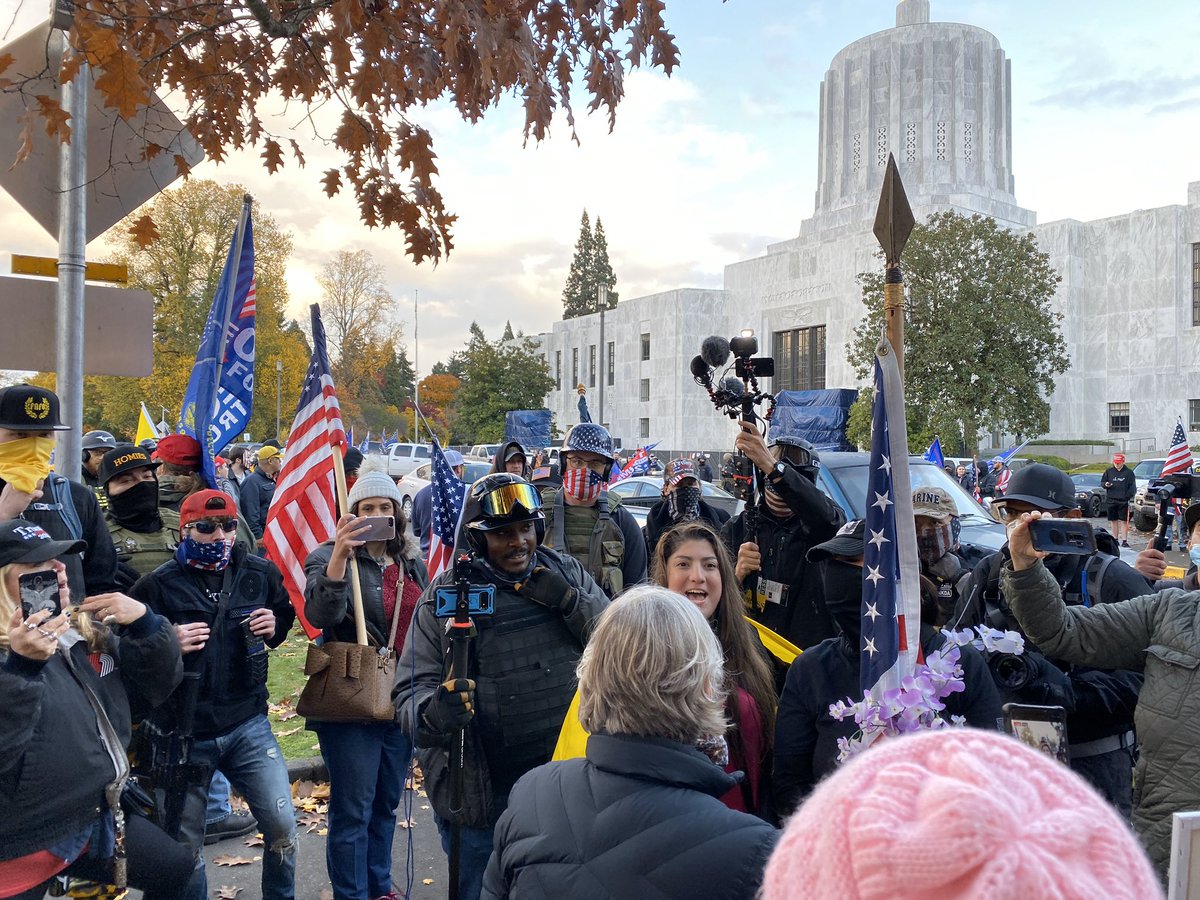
x: 938, y: 96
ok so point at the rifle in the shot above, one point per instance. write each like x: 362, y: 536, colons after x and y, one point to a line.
x: 169, y: 764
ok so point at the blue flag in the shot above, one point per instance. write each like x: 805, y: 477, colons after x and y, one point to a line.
x: 1011, y: 452
x: 934, y: 453
x: 220, y: 393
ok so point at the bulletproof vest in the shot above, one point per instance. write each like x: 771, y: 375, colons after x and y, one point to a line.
x: 604, y: 551
x: 524, y: 671
x: 144, y: 552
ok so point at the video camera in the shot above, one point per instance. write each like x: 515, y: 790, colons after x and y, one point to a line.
x: 1166, y: 490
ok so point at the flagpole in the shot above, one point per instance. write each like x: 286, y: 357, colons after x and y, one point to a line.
x: 231, y: 285
x: 339, y: 480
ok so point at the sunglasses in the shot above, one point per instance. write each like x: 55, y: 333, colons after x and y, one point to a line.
x: 208, y: 526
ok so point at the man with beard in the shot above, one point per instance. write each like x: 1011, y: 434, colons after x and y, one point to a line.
x: 522, y: 672
x: 680, y: 503
x: 582, y: 522
x: 144, y: 534
x: 793, y: 515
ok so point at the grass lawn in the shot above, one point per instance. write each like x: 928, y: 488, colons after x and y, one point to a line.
x: 285, y: 678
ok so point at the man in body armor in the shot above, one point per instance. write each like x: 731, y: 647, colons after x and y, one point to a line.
x: 144, y: 534
x: 94, y: 445
x: 1099, y: 703
x: 937, y: 551
x: 582, y: 522
x: 793, y: 515
x: 523, y: 657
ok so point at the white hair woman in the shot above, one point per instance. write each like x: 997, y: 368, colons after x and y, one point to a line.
x: 639, y: 815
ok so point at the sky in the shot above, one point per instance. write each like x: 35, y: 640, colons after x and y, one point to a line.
x: 711, y: 165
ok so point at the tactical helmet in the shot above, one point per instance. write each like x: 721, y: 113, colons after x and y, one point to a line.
x: 1042, y: 487
x: 148, y: 444
x: 798, y: 452
x: 588, y: 437
x: 98, y: 440
x: 497, y: 501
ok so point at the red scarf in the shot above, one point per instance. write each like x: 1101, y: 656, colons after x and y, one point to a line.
x: 409, y: 595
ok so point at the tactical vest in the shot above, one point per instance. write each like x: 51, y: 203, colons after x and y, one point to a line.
x: 605, y: 552
x: 144, y: 552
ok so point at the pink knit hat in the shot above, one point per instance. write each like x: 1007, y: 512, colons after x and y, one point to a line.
x: 957, y: 813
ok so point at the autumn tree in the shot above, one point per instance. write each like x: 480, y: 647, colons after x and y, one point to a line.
x: 356, y: 74
x: 590, y: 268
x: 438, y: 396
x: 982, y: 341
x: 498, y: 377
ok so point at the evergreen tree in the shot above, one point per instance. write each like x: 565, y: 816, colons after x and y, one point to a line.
x: 602, y: 270
x: 398, y: 377
x: 579, y: 293
x: 498, y: 377
x: 508, y: 332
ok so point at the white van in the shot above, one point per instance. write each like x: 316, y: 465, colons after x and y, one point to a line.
x: 403, y: 458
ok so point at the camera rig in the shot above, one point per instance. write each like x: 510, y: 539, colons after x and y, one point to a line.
x: 1171, y: 489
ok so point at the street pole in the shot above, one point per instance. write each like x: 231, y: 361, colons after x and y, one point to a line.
x: 602, y: 302
x: 893, y: 224
x: 72, y: 265
x: 278, y: 391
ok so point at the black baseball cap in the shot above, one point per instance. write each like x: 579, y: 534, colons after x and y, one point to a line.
x: 1190, y: 515
x: 121, y: 459
x: 849, y: 541
x: 25, y: 542
x: 24, y: 407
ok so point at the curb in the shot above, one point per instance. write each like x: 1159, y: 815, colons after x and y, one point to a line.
x: 310, y: 768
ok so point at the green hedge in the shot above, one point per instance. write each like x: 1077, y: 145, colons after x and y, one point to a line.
x: 1048, y: 442
x: 1057, y: 461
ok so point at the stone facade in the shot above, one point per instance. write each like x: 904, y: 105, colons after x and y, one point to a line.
x: 938, y: 97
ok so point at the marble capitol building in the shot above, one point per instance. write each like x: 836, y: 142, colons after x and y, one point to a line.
x: 936, y: 95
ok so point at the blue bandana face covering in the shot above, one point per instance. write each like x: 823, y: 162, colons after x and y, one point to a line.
x: 210, y: 557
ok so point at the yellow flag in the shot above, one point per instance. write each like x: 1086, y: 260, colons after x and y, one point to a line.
x: 572, y: 738
x: 145, y: 427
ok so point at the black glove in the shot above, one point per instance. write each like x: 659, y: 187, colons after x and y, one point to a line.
x: 547, y: 587
x: 452, y: 706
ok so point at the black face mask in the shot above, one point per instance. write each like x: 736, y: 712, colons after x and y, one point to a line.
x: 843, y: 596
x: 137, y: 507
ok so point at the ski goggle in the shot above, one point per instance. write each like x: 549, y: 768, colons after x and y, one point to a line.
x: 208, y: 526
x: 500, y: 502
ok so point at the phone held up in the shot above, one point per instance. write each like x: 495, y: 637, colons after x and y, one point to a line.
x: 381, y: 528
x: 481, y: 600
x: 1067, y: 536
x: 39, y: 590
x: 1043, y: 728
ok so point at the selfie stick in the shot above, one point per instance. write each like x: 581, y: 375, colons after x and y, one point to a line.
x: 339, y: 479
x: 460, y: 645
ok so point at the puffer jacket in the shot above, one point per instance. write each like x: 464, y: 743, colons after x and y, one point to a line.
x: 1158, y: 634
x: 639, y: 817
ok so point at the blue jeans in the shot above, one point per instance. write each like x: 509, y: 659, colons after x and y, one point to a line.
x: 252, y: 761
x: 217, y: 808
x: 367, y: 765
x: 475, y: 850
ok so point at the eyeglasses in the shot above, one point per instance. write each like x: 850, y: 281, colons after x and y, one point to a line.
x: 1006, y: 511
x: 501, y: 501
x: 574, y: 461
x: 208, y: 526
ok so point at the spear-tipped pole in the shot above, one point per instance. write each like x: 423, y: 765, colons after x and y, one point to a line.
x: 893, y: 224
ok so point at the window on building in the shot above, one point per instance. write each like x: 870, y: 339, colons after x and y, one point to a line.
x: 646, y: 346
x: 1194, y: 415
x: 592, y: 366
x: 612, y: 367
x: 574, y: 367
x: 1196, y: 284
x: 1118, y: 417
x: 558, y: 370
x: 644, y: 393
x: 644, y: 429
x: 800, y: 359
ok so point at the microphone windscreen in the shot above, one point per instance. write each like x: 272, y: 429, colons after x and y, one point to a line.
x: 715, y: 351
x: 700, y: 368
x: 733, y: 387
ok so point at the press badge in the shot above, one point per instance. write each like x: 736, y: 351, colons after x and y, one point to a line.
x: 772, y: 592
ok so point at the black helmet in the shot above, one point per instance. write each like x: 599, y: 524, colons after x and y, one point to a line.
x: 98, y: 440
x: 148, y: 444
x: 497, y: 501
x: 1042, y: 487
x: 588, y: 437
x: 799, y: 452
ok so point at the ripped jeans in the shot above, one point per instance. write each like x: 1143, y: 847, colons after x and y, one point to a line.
x: 251, y: 759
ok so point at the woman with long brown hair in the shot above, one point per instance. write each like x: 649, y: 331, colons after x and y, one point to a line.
x: 691, y: 560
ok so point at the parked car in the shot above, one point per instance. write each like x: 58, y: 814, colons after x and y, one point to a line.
x: 403, y: 458
x: 474, y: 468
x: 646, y: 490
x: 1145, y: 509
x: 1090, y: 493
x: 485, y: 451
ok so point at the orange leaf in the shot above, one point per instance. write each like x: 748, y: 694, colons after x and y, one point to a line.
x: 144, y: 232
x: 181, y: 166
x: 123, y: 88
x: 151, y: 150
x: 69, y: 68
x: 272, y: 156
x: 26, y: 140
x: 332, y: 182
x: 231, y: 859
x: 227, y: 892
x: 56, y: 118
x: 6, y: 60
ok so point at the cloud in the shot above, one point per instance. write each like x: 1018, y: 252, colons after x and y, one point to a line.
x: 1123, y: 92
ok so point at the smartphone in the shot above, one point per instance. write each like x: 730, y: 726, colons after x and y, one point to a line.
x: 382, y: 528
x: 1067, y: 536
x: 481, y: 601
x: 1043, y: 728
x: 39, y: 590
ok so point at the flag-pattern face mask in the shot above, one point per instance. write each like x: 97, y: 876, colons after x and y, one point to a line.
x: 582, y: 484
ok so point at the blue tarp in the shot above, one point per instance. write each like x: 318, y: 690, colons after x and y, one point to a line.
x: 820, y: 417
x: 530, y: 427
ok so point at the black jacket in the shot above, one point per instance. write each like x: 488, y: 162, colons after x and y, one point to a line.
x: 53, y: 766
x: 1121, y: 484
x: 95, y: 570
x: 255, y: 499
x: 806, y: 735
x: 637, y: 818
x: 784, y: 545
x: 659, y: 521
x: 230, y: 692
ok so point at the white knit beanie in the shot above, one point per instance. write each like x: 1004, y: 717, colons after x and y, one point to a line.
x: 374, y: 484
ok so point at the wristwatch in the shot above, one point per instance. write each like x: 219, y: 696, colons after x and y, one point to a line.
x: 777, y: 472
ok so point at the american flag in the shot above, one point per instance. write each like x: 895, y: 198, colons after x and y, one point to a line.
x: 639, y: 464
x: 303, y: 511
x: 891, y: 610
x: 1002, y: 481
x: 1179, y: 457
x: 446, y: 503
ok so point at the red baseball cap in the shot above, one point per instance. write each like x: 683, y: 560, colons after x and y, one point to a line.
x: 1118, y: 458
x: 205, y: 505
x: 180, y: 449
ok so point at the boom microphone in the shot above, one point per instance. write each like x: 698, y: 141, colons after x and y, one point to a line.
x: 715, y: 351
x: 700, y: 370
